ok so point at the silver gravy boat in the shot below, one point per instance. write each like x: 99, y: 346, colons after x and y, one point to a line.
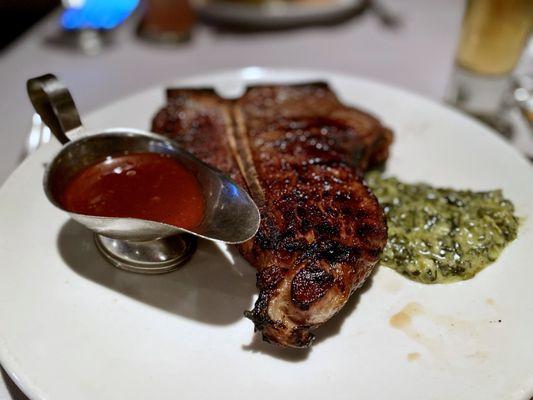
x: 134, y: 244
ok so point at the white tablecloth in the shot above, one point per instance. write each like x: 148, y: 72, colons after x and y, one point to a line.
x: 417, y: 56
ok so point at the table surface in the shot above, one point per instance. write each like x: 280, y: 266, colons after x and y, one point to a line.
x: 418, y: 56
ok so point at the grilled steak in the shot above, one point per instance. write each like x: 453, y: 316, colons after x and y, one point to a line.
x: 301, y: 154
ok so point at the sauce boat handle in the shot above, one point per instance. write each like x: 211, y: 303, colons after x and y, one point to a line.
x: 54, y: 104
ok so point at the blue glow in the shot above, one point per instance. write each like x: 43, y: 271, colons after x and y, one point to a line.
x: 233, y: 191
x: 98, y: 14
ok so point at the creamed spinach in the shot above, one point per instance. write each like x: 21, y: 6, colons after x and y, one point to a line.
x: 442, y: 235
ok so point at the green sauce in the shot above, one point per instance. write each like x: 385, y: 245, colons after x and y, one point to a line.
x: 442, y: 235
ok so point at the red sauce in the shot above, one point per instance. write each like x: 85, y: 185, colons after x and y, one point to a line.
x: 150, y: 186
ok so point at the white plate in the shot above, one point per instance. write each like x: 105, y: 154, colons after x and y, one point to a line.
x: 72, y: 327
x: 272, y: 13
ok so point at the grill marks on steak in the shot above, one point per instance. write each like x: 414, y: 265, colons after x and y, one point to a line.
x: 200, y: 122
x: 301, y: 154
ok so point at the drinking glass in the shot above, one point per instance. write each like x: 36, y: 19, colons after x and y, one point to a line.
x: 492, y: 38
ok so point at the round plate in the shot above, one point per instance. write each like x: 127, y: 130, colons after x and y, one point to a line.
x: 73, y: 327
x: 276, y: 13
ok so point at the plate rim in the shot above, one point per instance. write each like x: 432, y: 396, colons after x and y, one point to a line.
x: 272, y: 14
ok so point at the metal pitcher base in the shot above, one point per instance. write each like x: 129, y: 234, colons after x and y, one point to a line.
x: 152, y: 257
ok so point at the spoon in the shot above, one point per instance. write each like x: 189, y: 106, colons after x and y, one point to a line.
x: 135, y: 244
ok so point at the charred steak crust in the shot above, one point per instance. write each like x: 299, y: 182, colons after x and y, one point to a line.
x: 301, y: 154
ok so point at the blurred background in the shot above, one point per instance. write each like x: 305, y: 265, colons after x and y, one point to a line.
x: 475, y: 55
x: 17, y: 16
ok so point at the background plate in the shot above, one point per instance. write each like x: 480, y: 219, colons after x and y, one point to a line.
x: 72, y: 327
x: 275, y: 14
